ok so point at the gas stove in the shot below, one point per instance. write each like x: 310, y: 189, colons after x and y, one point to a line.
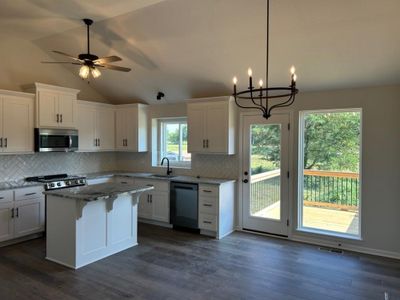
x: 58, y: 181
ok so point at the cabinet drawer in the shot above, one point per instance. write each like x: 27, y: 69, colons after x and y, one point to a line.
x: 208, y: 190
x: 207, y: 205
x: 28, y: 193
x: 160, y: 186
x: 6, y: 196
x: 208, y: 222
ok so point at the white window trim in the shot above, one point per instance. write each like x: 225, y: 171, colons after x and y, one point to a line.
x: 161, y: 142
x: 300, y: 179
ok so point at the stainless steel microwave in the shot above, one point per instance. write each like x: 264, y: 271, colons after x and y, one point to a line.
x: 56, y: 140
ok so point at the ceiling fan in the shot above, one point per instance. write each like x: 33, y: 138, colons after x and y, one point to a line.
x: 90, y: 63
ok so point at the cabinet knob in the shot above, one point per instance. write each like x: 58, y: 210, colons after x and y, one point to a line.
x: 245, y: 180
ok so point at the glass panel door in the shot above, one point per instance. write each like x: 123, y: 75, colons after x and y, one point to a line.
x: 265, y: 180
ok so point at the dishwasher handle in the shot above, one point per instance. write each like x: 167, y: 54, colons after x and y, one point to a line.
x: 184, y: 186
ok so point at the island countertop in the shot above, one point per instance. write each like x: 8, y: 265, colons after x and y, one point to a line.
x: 98, y: 191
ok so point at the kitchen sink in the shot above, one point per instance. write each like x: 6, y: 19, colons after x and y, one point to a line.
x: 162, y: 176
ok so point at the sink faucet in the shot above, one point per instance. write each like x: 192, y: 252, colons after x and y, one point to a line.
x: 169, y: 171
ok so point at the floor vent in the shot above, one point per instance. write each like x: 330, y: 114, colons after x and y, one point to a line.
x: 333, y: 250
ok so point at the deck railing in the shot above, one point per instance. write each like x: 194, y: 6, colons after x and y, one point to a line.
x: 265, y: 190
x: 321, y: 188
x: 336, y: 188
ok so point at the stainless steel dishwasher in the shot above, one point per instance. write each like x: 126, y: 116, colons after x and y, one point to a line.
x: 184, y: 205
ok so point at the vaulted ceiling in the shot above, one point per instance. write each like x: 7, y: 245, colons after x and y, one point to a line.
x: 192, y: 48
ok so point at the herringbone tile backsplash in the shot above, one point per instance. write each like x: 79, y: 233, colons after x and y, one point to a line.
x: 16, y: 167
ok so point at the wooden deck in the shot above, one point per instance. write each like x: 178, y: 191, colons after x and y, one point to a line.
x: 320, y: 218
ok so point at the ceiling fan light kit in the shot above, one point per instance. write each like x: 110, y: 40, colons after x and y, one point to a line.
x: 91, y: 63
x: 259, y: 98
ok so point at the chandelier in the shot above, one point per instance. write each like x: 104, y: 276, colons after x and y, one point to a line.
x: 260, y: 97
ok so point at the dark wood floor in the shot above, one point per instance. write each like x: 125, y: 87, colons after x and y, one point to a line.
x: 176, y: 265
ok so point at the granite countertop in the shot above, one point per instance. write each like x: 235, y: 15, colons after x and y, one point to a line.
x: 98, y: 191
x: 178, y: 178
x: 9, y: 185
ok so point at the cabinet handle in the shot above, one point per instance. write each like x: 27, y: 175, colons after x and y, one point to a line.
x: 99, y: 142
x: 5, y: 143
x: 209, y: 205
x: 151, y: 198
x: 126, y: 142
x: 17, y: 212
x: 61, y: 118
x: 149, y: 185
x: 207, y: 222
x: 206, y: 143
x: 58, y: 118
x: 1, y: 142
x: 12, y: 213
x: 124, y: 182
x: 148, y: 198
x: 30, y: 194
x: 207, y: 191
x: 1, y: 198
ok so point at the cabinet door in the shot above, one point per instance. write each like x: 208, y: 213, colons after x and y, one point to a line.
x: 86, y: 121
x: 160, y: 203
x: 6, y: 221
x: 132, y: 129
x: 47, y: 109
x: 217, y: 127
x: 144, y: 207
x: 105, y: 125
x: 66, y: 109
x: 196, y: 122
x: 120, y: 129
x: 17, y: 124
x: 29, y: 217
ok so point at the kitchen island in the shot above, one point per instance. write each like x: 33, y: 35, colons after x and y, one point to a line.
x: 85, y: 224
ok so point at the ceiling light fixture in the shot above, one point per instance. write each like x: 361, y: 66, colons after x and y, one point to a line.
x: 95, y: 72
x: 84, y: 72
x: 260, y: 97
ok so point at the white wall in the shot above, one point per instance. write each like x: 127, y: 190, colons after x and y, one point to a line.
x: 380, y: 161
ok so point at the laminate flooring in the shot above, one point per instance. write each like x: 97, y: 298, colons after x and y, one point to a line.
x: 169, y: 264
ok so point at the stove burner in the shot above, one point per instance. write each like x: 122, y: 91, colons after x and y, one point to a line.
x: 58, y: 181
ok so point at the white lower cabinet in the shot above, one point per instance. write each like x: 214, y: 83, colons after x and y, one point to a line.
x: 154, y: 205
x: 217, y: 209
x: 22, y: 212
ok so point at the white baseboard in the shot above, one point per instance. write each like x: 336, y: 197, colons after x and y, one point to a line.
x: 353, y: 248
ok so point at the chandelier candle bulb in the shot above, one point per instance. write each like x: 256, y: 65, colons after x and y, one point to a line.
x: 292, y: 70
x: 234, y: 84
x: 250, y: 73
x: 260, y: 83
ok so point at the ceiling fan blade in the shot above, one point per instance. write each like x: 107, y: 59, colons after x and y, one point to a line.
x: 111, y: 67
x: 65, y: 54
x: 60, y: 62
x: 108, y: 59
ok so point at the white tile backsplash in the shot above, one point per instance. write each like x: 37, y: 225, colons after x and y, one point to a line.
x: 214, y: 166
x: 16, y: 167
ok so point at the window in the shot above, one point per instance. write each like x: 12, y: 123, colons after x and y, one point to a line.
x: 329, y: 172
x: 172, y: 142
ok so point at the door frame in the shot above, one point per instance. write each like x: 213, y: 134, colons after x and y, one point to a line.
x: 291, y: 183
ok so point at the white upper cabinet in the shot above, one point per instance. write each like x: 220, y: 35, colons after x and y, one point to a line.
x: 16, y: 122
x: 211, y: 125
x: 131, y: 127
x: 55, y: 106
x: 96, y: 126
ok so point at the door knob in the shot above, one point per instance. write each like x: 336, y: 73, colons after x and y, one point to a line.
x: 245, y: 180
x: 246, y: 173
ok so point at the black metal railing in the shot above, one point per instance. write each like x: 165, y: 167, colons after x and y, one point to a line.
x: 265, y: 190
x: 338, y: 188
